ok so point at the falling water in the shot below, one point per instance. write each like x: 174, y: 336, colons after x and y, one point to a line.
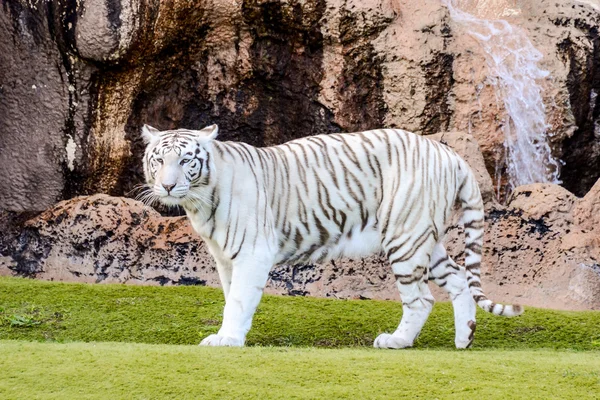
x: 512, y: 62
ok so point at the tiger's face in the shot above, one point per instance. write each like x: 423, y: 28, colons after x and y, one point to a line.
x: 176, y: 164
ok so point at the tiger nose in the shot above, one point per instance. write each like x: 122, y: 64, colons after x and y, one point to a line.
x: 168, y: 188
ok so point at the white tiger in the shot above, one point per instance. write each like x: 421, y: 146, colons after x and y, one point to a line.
x: 320, y: 198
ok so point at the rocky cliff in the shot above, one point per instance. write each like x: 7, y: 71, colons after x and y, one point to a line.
x: 78, y: 79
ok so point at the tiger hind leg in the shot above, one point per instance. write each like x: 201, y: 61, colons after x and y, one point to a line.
x: 411, y: 272
x: 452, y: 278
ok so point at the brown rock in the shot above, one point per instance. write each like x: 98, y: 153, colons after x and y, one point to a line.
x: 532, y: 256
x: 587, y: 210
x: 551, y: 202
x: 113, y: 240
x: 79, y: 79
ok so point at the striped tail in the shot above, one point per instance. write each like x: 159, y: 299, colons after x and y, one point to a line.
x: 473, y: 217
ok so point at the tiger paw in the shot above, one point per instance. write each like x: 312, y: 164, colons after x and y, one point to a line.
x: 387, y: 341
x: 217, y: 340
x: 464, y: 339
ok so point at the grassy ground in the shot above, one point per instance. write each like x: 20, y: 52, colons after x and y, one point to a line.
x: 45, y: 311
x: 73, y: 341
x: 140, y: 371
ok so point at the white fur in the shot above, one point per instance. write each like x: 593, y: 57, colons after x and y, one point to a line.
x: 361, y: 244
x: 321, y: 198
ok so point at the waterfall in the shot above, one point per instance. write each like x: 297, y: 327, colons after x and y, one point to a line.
x: 512, y: 61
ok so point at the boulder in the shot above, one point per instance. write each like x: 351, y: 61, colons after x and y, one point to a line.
x: 112, y: 240
x: 546, y: 201
x: 587, y: 210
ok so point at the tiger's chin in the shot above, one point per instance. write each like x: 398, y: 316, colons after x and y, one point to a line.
x: 172, y: 200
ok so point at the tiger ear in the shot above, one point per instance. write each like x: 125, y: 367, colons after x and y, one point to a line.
x: 210, y: 132
x: 149, y: 134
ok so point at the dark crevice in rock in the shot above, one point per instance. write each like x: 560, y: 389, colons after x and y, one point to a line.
x: 78, y: 177
x: 276, y: 103
x: 190, y: 281
x: 114, y: 18
x: 62, y: 23
x: 439, y: 75
x: 361, y: 82
x: 582, y: 150
x: 34, y: 20
x: 286, y: 56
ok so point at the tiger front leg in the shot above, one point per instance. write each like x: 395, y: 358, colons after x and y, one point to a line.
x: 249, y: 277
x: 225, y: 272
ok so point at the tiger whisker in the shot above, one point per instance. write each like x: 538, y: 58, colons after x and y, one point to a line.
x: 204, y: 200
x: 138, y: 187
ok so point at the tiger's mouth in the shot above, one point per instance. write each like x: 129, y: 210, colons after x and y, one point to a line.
x: 171, y: 200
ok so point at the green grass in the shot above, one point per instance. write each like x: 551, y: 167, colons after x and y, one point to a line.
x: 46, y: 311
x: 74, y: 341
x: 141, y: 371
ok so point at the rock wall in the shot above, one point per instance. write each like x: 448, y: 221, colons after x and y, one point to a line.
x: 78, y: 78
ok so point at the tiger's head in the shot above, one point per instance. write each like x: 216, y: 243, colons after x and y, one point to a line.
x: 177, y: 164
